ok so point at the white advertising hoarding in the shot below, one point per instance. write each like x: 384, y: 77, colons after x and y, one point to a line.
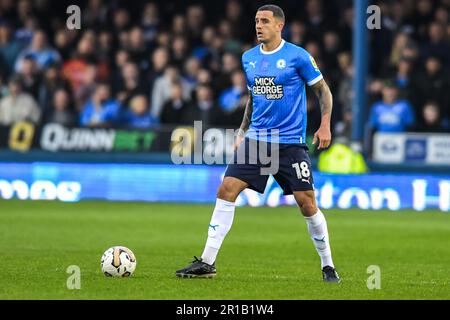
x: 394, y: 148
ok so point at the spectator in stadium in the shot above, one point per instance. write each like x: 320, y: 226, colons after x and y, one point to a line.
x: 18, y: 105
x: 437, y: 44
x: 343, y: 128
x: 230, y: 63
x: 391, y: 114
x: 74, y: 69
x: 106, y: 48
x: 80, y: 68
x: 235, y: 14
x: 64, y: 41
x: 178, y: 27
x: 180, y: 50
x: 163, y: 39
x: 87, y: 86
x: 159, y: 61
x: 150, y: 22
x: 121, y: 57
x: 101, y: 110
x: 401, y: 41
x: 204, y: 77
x: 204, y: 108
x: 231, y: 97
x: 316, y: 18
x: 314, y: 48
x: 442, y: 15
x: 331, y: 48
x: 424, y: 15
x: 231, y: 44
x: 215, y: 61
x: 52, y: 81
x: 191, y: 69
x: 344, y: 78
x: 131, y: 84
x: 95, y: 15
x: 195, y: 19
x: 24, y: 10
x: 346, y: 27
x: 27, y: 30
x: 432, y: 120
x: 61, y: 109
x: 203, y: 50
x: 297, y: 32
x: 9, y: 47
x: 30, y: 76
x: 162, y: 89
x: 137, y: 48
x: 433, y: 84
x: 121, y: 20
x: 403, y: 77
x: 40, y: 51
x: 174, y: 110
x: 137, y: 116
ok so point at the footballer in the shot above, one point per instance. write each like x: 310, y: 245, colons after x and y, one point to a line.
x: 277, y: 72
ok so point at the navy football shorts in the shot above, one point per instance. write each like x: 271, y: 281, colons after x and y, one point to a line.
x: 254, y: 159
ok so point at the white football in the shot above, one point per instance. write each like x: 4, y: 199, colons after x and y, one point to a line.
x: 118, y: 262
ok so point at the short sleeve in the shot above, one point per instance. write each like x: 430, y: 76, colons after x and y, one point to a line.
x: 308, y: 69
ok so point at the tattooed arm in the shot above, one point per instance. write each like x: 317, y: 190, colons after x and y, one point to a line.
x: 323, y: 93
x: 248, y: 113
x: 245, y: 121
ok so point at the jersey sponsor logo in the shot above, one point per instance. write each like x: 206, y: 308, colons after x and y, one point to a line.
x: 267, y: 86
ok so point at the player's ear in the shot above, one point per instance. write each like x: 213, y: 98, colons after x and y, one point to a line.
x: 280, y: 25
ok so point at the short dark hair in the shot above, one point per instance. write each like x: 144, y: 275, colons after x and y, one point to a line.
x: 276, y: 10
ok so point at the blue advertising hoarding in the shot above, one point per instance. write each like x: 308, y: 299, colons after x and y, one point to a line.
x: 198, y: 184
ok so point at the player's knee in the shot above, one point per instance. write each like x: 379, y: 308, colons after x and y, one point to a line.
x: 227, y: 191
x: 308, y: 208
x: 307, y: 204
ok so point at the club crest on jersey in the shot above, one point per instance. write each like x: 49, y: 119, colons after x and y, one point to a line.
x: 281, y: 64
x: 267, y: 86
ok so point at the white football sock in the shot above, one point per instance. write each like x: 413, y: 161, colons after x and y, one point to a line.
x: 317, y: 227
x: 220, y: 224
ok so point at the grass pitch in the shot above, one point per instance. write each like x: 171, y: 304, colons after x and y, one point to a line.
x: 267, y: 255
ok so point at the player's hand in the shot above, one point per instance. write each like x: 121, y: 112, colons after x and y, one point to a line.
x: 323, y: 135
x: 237, y: 142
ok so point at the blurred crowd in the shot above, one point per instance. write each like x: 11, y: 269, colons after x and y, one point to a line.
x: 140, y: 64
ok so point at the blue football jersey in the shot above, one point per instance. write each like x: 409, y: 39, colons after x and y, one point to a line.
x: 277, y: 81
x: 395, y: 117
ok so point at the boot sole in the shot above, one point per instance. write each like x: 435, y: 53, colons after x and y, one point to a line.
x: 204, y: 276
